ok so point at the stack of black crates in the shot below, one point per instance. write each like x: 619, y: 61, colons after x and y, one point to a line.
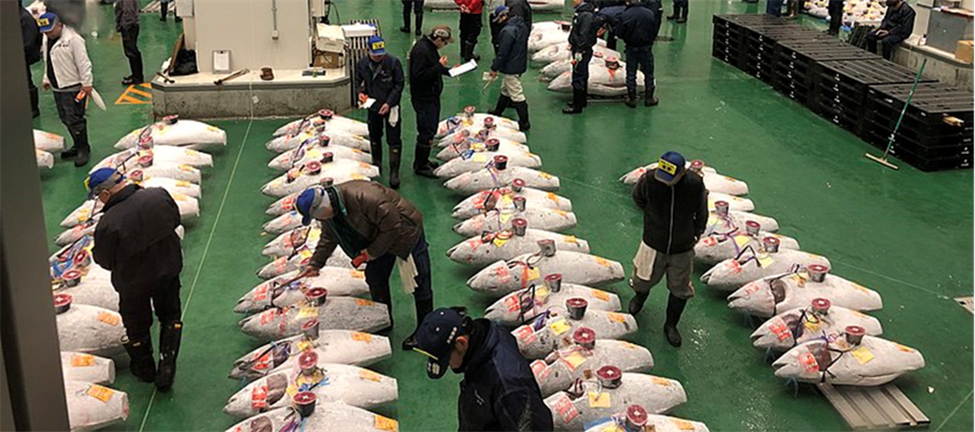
x: 853, y: 88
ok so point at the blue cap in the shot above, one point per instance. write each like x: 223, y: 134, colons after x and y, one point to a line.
x: 46, y: 21
x: 377, y: 46
x: 498, y: 11
x: 435, y: 338
x: 309, y: 201
x: 669, y: 167
x: 102, y: 179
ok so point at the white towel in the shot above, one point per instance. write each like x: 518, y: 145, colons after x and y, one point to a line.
x: 643, y: 261
x: 394, y: 116
x: 407, y: 274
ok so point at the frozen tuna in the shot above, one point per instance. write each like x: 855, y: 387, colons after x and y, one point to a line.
x: 497, y: 176
x: 286, y: 243
x: 48, y: 142
x: 536, y: 217
x: 330, y: 382
x: 505, y: 277
x: 466, y: 143
x: 286, y: 224
x: 725, y: 239
x: 87, y: 284
x: 338, y: 281
x: 326, y: 417
x: 540, y: 39
x: 88, y: 329
x: 161, y: 161
x: 93, y: 407
x: 503, y: 199
x: 818, y: 320
x: 482, y: 131
x: 335, y: 313
x: 562, y: 52
x: 331, y: 121
x: 44, y: 159
x: 750, y: 265
x: 608, y: 79
x: 470, y: 118
x: 331, y: 346
x: 328, y: 170
x: 785, y: 291
x: 713, y: 181
x: 88, y: 368
x: 478, y: 160
x: 554, y: 329
x: 319, y: 136
x: 310, y: 152
x: 632, y: 418
x: 869, y: 361
x: 560, y: 369
x: 189, y: 208
x: 175, y: 132
x: 610, y: 392
x: 524, y: 305
x: 299, y: 259
x: 506, y: 244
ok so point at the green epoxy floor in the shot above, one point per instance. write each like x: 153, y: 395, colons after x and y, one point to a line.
x: 906, y: 234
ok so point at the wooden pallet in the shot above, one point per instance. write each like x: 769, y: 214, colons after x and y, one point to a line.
x: 882, y: 407
x: 967, y: 303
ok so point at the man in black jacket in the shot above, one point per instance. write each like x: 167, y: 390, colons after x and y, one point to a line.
x: 127, y: 24
x: 417, y: 7
x: 499, y: 391
x: 511, y: 61
x: 427, y: 68
x: 380, y: 77
x: 675, y: 214
x: 136, y: 240
x: 835, y: 8
x: 898, y: 24
x: 515, y: 8
x: 582, y: 37
x: 32, y: 54
x: 636, y: 28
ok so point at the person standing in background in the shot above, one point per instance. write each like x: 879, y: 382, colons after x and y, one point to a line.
x: 416, y: 6
x: 511, y: 62
x: 582, y: 37
x: 774, y: 7
x: 380, y: 77
x: 470, y: 27
x: 680, y: 10
x: 67, y: 71
x: 164, y: 9
x: 127, y: 24
x: 427, y: 68
x: 835, y: 8
x: 32, y: 54
x: 515, y: 8
x: 637, y: 28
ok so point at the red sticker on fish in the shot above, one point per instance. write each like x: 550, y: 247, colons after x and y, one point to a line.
x: 259, y: 397
x: 567, y: 411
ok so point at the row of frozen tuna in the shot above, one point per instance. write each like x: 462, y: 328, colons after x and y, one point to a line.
x: 311, y: 372
x: 815, y: 317
x: 549, y: 45
x: 46, y: 147
x: 90, y: 330
x: 571, y: 333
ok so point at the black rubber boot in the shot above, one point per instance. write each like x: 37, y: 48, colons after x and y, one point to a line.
x: 82, y: 158
x: 394, y: 158
x: 423, y: 308
x: 169, y: 336
x: 70, y: 153
x: 141, y: 363
x: 648, y: 99
x: 630, y: 98
x: 422, y: 165
x: 524, y: 124
x: 675, y: 307
x: 504, y: 103
x: 641, y: 289
x: 673, y: 16
x: 419, y: 25
x: 578, y: 102
x: 376, y: 151
x: 406, y: 19
x: 34, y: 111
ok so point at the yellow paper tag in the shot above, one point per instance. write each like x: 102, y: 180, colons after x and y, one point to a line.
x: 629, y: 345
x: 305, y: 253
x: 575, y: 359
x: 660, y: 381
x: 600, y: 294
x: 862, y: 354
x: 742, y: 241
x: 612, y: 427
x: 602, y: 261
x: 618, y: 317
x: 363, y: 302
x: 545, y: 175
x: 109, y: 318
x: 356, y: 274
x: 683, y: 424
x: 303, y: 345
x: 570, y: 239
x: 292, y: 390
x: 533, y: 274
x: 386, y: 424
x: 182, y: 183
x: 765, y: 261
x: 308, y: 312
x: 361, y: 337
x: 560, y: 326
x: 599, y: 400
x: 103, y: 394
x: 368, y: 375
x: 904, y: 348
x: 82, y: 360
x: 812, y: 324
x: 480, y: 158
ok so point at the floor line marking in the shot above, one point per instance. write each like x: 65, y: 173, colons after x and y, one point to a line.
x: 955, y: 411
x: 592, y: 187
x: 905, y: 283
x: 206, y: 250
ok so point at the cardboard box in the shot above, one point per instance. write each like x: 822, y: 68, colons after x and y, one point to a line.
x: 329, y: 60
x: 964, y: 51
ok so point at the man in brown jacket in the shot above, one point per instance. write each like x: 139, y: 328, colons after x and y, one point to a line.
x: 377, y: 227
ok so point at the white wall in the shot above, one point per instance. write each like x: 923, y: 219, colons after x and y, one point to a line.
x: 244, y: 27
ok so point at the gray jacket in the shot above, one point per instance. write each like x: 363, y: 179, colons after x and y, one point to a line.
x: 126, y: 14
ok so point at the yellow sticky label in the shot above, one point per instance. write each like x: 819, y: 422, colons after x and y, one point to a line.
x: 292, y: 390
x: 862, y: 354
x: 304, y: 345
x: 305, y: 253
x: 742, y: 241
x: 356, y: 274
x: 618, y: 317
x: 859, y: 287
x: 308, y: 312
x: 765, y: 261
x: 570, y: 239
x: 813, y: 324
x: 480, y: 158
x: 612, y: 427
x: 103, y: 394
x: 560, y: 326
x: 599, y: 400
x: 660, y: 381
x: 904, y: 348
x: 82, y: 360
x: 385, y: 423
x: 601, y: 261
x: 552, y: 197
x: 361, y: 337
x: 561, y: 213
x: 683, y: 424
x: 544, y: 175
x: 182, y: 183
x: 629, y: 345
x: 109, y: 318
x: 368, y: 375
x: 533, y: 274
x: 363, y: 302
x: 601, y: 295
x: 575, y: 360
x: 185, y: 167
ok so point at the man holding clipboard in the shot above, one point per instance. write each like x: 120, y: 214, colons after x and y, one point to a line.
x: 380, y: 82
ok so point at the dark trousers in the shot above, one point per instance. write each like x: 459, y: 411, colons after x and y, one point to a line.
x: 136, y: 304
x: 72, y: 115
x: 835, y: 16
x: 470, y: 27
x: 32, y: 91
x: 774, y: 7
x: 379, y: 270
x: 130, y: 45
x: 611, y: 39
x: 680, y: 8
x: 888, y: 43
x: 427, y: 118
x: 163, y: 8
x: 641, y: 57
x: 417, y: 7
x: 580, y: 70
x: 393, y: 136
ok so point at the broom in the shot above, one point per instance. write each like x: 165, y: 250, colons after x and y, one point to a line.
x: 890, y: 143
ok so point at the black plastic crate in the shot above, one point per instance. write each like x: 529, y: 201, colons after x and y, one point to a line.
x: 859, y: 74
x: 879, y: 138
x: 917, y: 136
x: 931, y: 104
x: 932, y: 164
x: 848, y: 118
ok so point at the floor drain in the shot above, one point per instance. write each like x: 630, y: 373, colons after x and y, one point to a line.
x: 967, y: 303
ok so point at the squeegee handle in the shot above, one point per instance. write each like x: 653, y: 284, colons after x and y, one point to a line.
x: 910, y: 96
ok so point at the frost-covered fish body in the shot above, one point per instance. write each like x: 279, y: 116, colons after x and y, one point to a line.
x: 340, y: 282
x: 48, y: 142
x: 312, y: 173
x: 175, y: 132
x: 591, y: 401
x: 489, y: 247
x: 303, y: 155
x: 478, y: 160
x: 560, y: 369
x: 44, y: 159
x: 819, y: 320
x: 331, y: 121
x: 470, y: 118
x: 505, y: 277
x: 781, y: 292
x: 524, y: 305
x: 299, y: 259
x: 503, y: 199
x: 731, y: 274
x: 493, y: 177
x: 547, y: 219
x: 336, y: 313
x: 655, y: 422
x: 331, y: 346
x: 90, y: 330
x: 554, y: 330
x: 871, y: 362
x: 86, y: 367
x: 468, y: 144
x: 318, y: 134
x: 93, y: 407
x: 327, y: 417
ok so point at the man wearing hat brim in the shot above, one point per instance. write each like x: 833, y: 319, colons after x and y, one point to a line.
x: 499, y: 391
x: 136, y: 240
x: 511, y: 61
x: 582, y: 37
x: 675, y: 215
x: 470, y: 27
x: 67, y: 71
x: 427, y: 69
x: 380, y: 77
x: 380, y: 229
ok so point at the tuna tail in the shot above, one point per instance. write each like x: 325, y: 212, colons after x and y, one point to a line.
x: 707, y: 275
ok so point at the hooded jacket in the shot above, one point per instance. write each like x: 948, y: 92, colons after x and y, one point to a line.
x: 499, y: 391
x: 136, y: 238
x: 583, y: 34
x: 674, y: 217
x: 512, y: 58
x: 637, y: 25
x: 380, y: 219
